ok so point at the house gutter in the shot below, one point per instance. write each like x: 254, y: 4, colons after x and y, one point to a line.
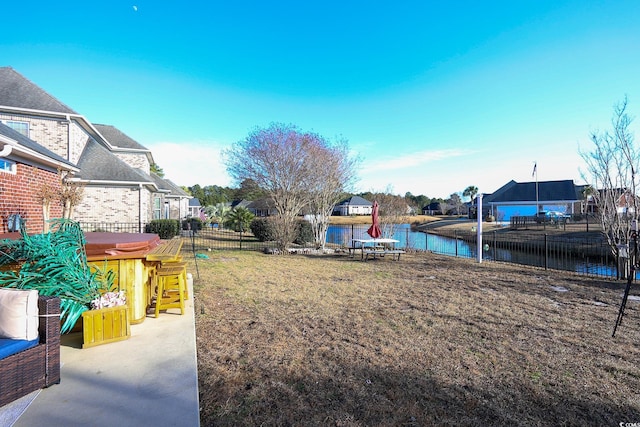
x: 140, y: 208
x: 6, y: 150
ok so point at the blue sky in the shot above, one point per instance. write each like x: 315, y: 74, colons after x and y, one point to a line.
x: 433, y: 96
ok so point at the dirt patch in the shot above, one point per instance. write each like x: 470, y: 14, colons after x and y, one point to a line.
x: 428, y: 340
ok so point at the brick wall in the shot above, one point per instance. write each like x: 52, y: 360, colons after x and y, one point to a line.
x: 19, y: 194
x: 78, y: 139
x: 113, y: 204
x: 50, y: 133
x: 135, y: 160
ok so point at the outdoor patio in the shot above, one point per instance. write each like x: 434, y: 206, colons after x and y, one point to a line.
x: 148, y: 379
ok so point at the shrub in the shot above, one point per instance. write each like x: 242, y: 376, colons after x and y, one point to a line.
x: 262, y: 229
x: 165, y: 228
x: 304, y: 233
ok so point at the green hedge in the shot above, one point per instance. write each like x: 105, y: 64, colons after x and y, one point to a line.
x: 165, y: 228
x: 262, y: 230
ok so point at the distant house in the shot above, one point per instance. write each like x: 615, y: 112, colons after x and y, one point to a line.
x: 433, y: 208
x: 262, y: 207
x: 194, y: 207
x: 527, y: 198
x: 176, y: 201
x: 354, y: 205
x: 240, y: 204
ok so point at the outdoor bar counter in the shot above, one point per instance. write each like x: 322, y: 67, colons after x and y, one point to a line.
x: 126, y: 255
x: 133, y: 257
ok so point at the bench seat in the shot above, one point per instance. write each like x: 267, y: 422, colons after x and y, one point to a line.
x: 395, y: 253
x: 9, y: 346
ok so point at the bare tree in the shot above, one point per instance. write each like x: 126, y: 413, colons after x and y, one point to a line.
x: 612, y: 167
x: 288, y: 164
x: 335, y: 174
x: 71, y: 193
x: 456, y: 202
x: 392, y: 210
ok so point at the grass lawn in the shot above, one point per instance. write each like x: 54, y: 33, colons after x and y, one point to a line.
x: 428, y: 340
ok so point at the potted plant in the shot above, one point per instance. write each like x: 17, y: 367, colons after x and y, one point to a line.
x: 55, y: 263
x: 107, y: 321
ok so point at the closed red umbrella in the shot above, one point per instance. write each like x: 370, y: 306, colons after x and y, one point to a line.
x: 374, y: 231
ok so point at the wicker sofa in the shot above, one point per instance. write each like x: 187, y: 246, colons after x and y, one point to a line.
x: 37, y: 367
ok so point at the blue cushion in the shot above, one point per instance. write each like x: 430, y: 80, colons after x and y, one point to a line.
x: 9, y: 347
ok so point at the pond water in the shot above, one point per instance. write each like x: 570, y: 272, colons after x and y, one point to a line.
x: 342, y: 235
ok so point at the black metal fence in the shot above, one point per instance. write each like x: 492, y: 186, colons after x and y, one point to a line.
x: 590, y: 256
x: 113, y: 227
x: 585, y: 255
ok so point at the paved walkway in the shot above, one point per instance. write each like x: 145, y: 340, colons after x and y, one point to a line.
x: 151, y: 379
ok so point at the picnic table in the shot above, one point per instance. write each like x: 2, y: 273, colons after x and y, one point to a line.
x: 370, y: 248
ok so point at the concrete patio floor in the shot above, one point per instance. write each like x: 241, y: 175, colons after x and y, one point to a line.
x: 149, y: 379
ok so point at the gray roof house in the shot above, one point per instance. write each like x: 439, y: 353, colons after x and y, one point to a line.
x: 194, y: 207
x: 27, y: 169
x: 262, y: 207
x: 113, y: 168
x: 354, y: 205
x: 527, y: 198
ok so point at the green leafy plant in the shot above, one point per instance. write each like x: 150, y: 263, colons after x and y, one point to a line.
x: 55, y: 264
x: 262, y: 229
x: 239, y: 219
x: 165, y: 228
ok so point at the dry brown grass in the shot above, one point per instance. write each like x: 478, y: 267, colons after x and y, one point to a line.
x: 428, y: 340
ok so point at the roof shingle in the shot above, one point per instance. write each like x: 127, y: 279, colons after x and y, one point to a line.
x: 19, y: 92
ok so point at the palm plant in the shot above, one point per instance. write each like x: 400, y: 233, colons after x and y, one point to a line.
x: 55, y: 264
x: 217, y: 214
x: 239, y: 219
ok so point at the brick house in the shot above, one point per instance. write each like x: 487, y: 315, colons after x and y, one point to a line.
x: 26, y: 168
x: 113, y: 168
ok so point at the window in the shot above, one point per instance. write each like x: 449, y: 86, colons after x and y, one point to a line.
x: 22, y: 127
x: 156, y: 208
x: 7, y: 166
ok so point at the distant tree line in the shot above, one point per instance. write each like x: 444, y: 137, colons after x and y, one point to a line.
x: 212, y: 195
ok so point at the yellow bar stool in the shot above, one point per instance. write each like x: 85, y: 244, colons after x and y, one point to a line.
x: 172, y: 285
x: 183, y: 265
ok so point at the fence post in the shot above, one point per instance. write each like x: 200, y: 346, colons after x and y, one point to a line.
x: 495, y: 240
x: 546, y: 251
x: 455, y: 235
x: 406, y: 240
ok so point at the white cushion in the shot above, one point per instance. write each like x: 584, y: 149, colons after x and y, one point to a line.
x: 18, y: 314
